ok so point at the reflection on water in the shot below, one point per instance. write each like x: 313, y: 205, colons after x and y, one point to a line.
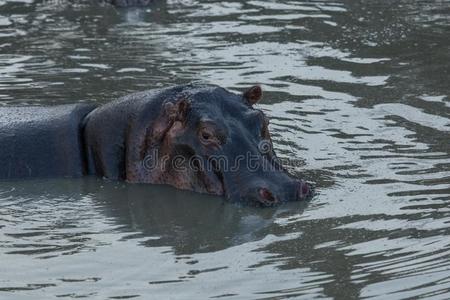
x: 358, y: 94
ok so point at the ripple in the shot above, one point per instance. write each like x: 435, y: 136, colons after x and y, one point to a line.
x: 284, y: 17
x: 417, y: 116
x: 284, y: 6
x: 219, y: 9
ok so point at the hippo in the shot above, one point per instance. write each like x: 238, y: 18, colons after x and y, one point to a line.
x: 196, y: 137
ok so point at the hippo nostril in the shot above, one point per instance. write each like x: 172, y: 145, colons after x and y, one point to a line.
x: 304, y: 190
x: 266, y: 195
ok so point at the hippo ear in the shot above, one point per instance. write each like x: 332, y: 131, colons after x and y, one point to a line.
x: 171, y: 112
x: 177, y: 111
x: 253, y: 94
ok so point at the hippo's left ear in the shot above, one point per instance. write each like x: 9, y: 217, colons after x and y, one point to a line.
x: 177, y: 111
x: 171, y: 112
x: 253, y: 94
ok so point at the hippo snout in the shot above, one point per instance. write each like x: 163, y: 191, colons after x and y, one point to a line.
x: 304, y: 190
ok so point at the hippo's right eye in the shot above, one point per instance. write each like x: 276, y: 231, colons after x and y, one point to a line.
x: 208, y: 137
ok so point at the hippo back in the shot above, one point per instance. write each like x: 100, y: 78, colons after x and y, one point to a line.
x: 42, y: 141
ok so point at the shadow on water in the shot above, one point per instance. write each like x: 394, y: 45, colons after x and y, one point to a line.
x: 188, y: 222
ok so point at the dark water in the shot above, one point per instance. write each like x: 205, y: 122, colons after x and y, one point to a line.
x: 358, y: 93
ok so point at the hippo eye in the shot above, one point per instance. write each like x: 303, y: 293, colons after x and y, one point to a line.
x: 208, y: 137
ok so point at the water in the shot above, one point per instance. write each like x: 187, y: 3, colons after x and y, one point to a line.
x: 358, y: 94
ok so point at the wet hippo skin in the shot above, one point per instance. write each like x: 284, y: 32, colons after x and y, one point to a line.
x: 194, y: 137
x: 42, y: 141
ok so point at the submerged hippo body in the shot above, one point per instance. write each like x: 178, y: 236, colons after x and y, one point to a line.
x: 194, y: 137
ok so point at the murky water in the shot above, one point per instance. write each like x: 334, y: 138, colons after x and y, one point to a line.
x: 358, y: 93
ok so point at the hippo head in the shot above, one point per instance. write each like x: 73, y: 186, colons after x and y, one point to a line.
x: 209, y: 140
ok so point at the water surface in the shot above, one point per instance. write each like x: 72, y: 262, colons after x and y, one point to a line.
x: 358, y: 95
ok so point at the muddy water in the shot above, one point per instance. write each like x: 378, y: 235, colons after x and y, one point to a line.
x: 358, y: 95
